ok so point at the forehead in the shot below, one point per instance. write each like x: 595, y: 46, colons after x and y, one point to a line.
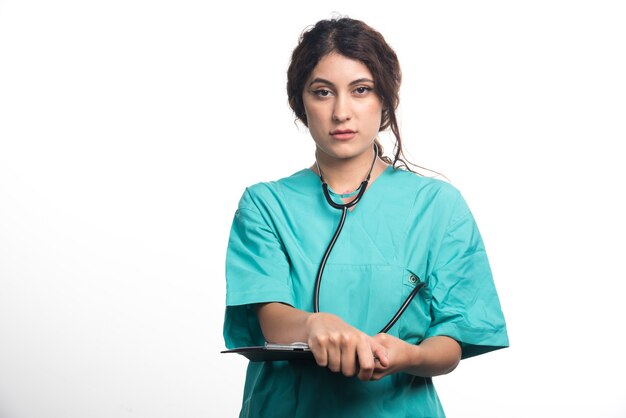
x: 339, y: 68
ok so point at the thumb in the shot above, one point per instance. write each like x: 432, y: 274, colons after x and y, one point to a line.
x: 380, y: 353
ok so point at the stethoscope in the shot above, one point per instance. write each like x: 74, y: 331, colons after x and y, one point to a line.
x: 344, y: 211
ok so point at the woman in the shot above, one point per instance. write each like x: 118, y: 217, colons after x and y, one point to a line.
x: 404, y: 236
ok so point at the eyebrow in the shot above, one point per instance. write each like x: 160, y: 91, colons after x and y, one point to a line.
x: 330, y: 83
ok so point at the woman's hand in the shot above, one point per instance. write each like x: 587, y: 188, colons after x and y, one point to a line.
x: 432, y: 357
x: 343, y: 348
x: 334, y: 343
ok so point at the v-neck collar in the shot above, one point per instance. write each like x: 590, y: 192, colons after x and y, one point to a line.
x: 366, y: 196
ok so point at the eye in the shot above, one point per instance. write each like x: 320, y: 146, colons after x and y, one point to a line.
x: 362, y: 90
x: 321, y: 92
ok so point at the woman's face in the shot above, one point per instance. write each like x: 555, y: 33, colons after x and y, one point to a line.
x: 342, y: 108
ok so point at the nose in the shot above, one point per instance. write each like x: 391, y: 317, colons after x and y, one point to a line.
x: 341, y: 110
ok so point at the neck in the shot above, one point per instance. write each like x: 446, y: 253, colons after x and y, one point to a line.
x: 345, y: 176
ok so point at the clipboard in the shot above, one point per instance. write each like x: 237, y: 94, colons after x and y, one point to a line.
x: 274, y: 352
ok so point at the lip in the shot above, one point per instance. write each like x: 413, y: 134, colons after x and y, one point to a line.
x: 343, y: 134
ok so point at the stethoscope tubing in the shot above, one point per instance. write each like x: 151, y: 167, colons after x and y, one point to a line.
x: 400, y: 311
x: 320, y: 271
x: 344, y: 211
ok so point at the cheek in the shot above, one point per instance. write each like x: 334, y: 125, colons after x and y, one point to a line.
x: 372, y: 108
x: 378, y: 108
x: 314, y: 115
x: 375, y: 112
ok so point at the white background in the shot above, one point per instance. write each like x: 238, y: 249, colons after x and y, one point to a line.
x: 128, y: 130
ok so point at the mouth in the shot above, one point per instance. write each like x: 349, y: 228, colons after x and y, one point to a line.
x: 343, y: 134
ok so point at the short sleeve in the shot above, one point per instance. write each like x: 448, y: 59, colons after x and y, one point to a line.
x: 465, y: 305
x: 257, y: 271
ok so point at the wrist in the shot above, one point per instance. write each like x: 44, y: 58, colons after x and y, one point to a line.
x: 313, y: 320
x: 416, y: 355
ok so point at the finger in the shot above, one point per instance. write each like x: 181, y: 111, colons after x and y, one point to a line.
x: 334, y: 358
x: 348, y: 361
x: 365, y: 361
x: 321, y: 357
x: 319, y: 353
x: 380, y: 353
x: 377, y: 375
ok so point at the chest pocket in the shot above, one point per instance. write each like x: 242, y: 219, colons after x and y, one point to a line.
x: 368, y: 296
x: 416, y: 319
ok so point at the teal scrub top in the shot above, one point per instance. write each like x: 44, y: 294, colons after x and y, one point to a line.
x: 405, y: 227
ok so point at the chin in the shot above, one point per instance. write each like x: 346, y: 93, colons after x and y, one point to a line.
x: 351, y: 146
x: 342, y: 153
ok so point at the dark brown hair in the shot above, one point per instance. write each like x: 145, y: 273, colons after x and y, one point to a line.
x: 355, y: 40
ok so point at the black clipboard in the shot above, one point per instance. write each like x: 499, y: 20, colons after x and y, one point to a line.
x: 274, y: 352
